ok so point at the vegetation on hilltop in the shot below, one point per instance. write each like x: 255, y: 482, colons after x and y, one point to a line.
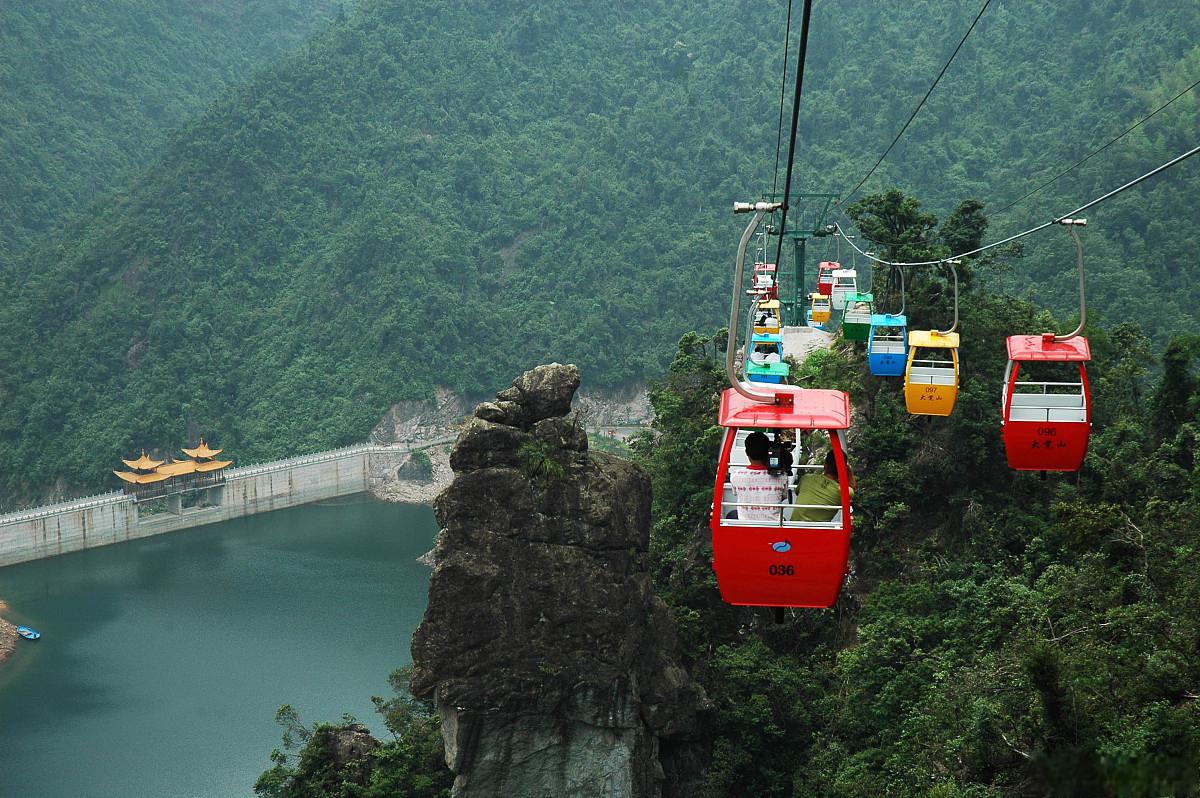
x: 445, y: 193
x: 1001, y: 634
x: 89, y: 91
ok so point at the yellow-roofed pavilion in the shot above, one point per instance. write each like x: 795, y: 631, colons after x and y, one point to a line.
x: 198, y: 471
x: 144, y: 470
x: 202, y: 458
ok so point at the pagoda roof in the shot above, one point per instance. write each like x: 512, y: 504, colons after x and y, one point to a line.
x: 143, y: 463
x: 202, y: 450
x: 213, y: 465
x: 177, y: 468
x: 141, y: 479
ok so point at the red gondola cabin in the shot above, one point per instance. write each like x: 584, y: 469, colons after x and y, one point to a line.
x: 825, y: 270
x: 781, y: 562
x: 764, y: 280
x: 1047, y: 424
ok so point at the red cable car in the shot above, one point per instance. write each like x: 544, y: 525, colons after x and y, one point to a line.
x: 762, y: 556
x: 765, y: 280
x: 825, y: 270
x: 781, y: 563
x: 1046, y: 423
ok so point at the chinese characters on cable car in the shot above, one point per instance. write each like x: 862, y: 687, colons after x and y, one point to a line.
x: 1045, y: 439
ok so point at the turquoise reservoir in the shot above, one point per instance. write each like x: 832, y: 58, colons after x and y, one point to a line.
x: 162, y: 661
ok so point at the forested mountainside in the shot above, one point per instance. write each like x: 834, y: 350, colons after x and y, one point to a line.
x: 89, y: 91
x: 446, y: 193
x: 1001, y: 634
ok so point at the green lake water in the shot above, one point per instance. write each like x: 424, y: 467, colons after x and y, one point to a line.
x: 163, y: 661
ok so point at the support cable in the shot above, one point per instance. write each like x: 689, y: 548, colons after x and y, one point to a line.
x: 1088, y: 157
x: 787, y: 40
x: 846, y: 198
x: 1056, y: 220
x: 801, y: 56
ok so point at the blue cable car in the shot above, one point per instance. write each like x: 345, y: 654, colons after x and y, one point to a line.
x: 774, y: 340
x: 887, y: 344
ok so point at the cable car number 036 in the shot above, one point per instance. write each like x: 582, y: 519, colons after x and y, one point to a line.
x: 782, y: 570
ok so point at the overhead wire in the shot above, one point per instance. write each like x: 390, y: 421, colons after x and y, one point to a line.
x: 787, y: 40
x: 1091, y: 155
x: 801, y: 57
x: 1176, y: 160
x: 917, y: 110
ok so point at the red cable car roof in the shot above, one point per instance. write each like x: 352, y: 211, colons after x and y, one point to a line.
x: 810, y: 408
x: 1044, y: 347
x: 764, y: 267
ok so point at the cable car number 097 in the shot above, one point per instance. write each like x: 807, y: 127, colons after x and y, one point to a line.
x: 782, y: 570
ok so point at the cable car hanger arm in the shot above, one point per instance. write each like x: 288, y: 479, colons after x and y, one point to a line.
x: 759, y: 209
x: 1071, y: 224
x: 953, y: 262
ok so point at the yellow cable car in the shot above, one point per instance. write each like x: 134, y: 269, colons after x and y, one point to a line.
x: 820, y: 307
x: 931, y: 377
x: 766, y: 319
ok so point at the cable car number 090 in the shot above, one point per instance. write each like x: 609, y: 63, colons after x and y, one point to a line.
x: 782, y: 570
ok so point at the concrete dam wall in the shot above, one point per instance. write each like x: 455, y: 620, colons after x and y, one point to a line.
x: 115, y: 517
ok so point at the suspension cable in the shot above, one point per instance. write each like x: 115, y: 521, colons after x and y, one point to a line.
x: 1030, y: 231
x: 1088, y: 157
x: 801, y: 56
x: 846, y: 198
x: 787, y: 40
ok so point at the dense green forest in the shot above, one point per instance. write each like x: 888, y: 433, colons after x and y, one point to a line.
x: 89, y: 91
x: 1001, y: 634
x: 446, y: 193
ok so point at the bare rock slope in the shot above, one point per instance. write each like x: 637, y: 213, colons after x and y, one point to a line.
x: 555, y: 668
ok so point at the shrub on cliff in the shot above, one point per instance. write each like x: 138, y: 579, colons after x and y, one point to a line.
x: 345, y: 761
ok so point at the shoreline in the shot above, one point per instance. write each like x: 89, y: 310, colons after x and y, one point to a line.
x: 411, y: 491
x: 8, y: 636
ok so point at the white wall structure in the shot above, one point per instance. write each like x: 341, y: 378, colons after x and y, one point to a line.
x: 114, y: 517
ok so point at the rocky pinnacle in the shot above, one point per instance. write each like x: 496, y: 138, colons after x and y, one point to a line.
x: 555, y: 668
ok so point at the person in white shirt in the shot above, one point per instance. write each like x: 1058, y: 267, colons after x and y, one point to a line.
x: 764, y: 354
x: 754, y: 483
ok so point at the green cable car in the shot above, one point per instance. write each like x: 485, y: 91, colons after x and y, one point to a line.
x: 856, y: 317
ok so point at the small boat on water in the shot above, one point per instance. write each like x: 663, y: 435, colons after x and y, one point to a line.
x: 27, y: 633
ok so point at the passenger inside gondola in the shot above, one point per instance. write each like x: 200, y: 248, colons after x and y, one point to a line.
x: 819, y: 495
x: 764, y: 354
x: 758, y: 490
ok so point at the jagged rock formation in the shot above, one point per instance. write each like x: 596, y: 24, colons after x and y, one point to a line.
x: 555, y: 668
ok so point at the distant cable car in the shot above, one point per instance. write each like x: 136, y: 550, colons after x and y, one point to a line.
x: 825, y: 270
x: 764, y: 280
x: 1047, y: 424
x: 777, y: 562
x: 845, y: 283
x: 774, y: 340
x: 773, y: 372
x: 887, y: 340
x: 767, y: 317
x: 769, y: 368
x: 818, y: 309
x: 856, y: 317
x: 931, y: 374
x: 887, y: 345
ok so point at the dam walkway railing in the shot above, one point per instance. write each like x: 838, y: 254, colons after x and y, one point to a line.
x: 233, y: 474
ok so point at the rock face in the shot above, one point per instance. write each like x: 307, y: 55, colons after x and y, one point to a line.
x: 555, y: 668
